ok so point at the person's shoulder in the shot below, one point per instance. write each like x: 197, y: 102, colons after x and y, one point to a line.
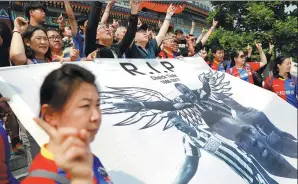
x: 41, y: 162
x: 102, y: 171
x: 269, y: 80
x: 153, y: 42
x: 294, y: 78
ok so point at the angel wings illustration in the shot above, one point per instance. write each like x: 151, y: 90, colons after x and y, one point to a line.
x: 198, y: 112
x: 157, y: 106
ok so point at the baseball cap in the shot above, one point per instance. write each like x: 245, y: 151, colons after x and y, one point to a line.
x: 143, y: 27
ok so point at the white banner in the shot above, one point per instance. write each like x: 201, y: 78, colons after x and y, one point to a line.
x: 175, y: 121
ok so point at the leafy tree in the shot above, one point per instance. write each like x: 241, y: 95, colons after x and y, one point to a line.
x: 240, y: 23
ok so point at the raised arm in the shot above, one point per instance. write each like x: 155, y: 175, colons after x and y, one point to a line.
x: 91, y: 29
x: 262, y: 55
x: 206, y: 36
x: 106, y: 13
x: 192, y: 30
x: 249, y: 52
x: 165, y: 26
x: 17, y: 49
x: 191, y: 50
x: 268, y: 57
x: 71, y: 17
x: 132, y: 28
x: 61, y: 23
x: 201, y: 36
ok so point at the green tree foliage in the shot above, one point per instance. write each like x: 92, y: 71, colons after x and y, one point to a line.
x: 240, y: 23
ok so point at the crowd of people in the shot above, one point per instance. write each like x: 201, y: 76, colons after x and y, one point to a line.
x: 31, y: 42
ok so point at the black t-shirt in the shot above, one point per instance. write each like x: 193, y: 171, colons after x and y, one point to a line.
x: 183, y: 47
x: 5, y: 34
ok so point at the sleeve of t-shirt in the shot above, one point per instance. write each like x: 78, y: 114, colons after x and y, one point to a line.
x: 255, y: 66
x: 77, y: 39
x: 153, y: 44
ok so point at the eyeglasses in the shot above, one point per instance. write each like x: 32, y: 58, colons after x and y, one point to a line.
x: 58, y: 37
x: 242, y: 56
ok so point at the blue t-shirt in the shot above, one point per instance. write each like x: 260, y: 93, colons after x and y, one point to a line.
x: 79, y: 43
x: 136, y: 51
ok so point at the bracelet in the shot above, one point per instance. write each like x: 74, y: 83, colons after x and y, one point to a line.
x: 168, y: 17
x: 107, y: 11
x: 16, y: 32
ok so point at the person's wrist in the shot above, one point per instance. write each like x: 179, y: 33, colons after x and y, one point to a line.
x: 18, y: 30
x: 134, y: 12
x: 169, y: 16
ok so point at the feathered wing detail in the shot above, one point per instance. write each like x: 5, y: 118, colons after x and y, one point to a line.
x: 149, y: 117
x: 215, y: 80
x: 135, y: 94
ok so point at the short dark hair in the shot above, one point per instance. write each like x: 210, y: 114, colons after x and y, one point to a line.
x: 178, y: 31
x: 278, y: 61
x: 216, y: 48
x: 60, y: 84
x: 30, y: 53
x: 234, y: 53
x: 33, y: 6
x: 56, y: 30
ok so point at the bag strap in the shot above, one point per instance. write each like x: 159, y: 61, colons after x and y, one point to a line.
x: 49, y: 175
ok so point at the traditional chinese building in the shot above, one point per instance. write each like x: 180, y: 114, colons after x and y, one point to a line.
x: 150, y: 12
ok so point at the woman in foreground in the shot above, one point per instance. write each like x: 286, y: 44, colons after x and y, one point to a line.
x: 69, y: 102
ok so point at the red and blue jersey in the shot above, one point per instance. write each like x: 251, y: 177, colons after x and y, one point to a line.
x: 45, y: 161
x: 287, y: 89
x: 220, y: 66
x: 245, y: 73
x: 5, y: 175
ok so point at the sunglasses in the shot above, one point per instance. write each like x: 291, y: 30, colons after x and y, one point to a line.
x: 242, y: 56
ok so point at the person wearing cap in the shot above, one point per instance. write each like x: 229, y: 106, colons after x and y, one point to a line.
x: 104, y: 35
x: 36, y: 13
x: 182, y: 42
x: 142, y: 47
x: 168, y: 47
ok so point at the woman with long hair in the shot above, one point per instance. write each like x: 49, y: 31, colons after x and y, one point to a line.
x: 29, y: 45
x: 282, y: 82
x: 244, y: 70
x: 70, y: 114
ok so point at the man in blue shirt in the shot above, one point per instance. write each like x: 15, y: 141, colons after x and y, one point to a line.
x: 142, y: 47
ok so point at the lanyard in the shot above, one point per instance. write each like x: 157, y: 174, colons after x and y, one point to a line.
x: 35, y: 61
